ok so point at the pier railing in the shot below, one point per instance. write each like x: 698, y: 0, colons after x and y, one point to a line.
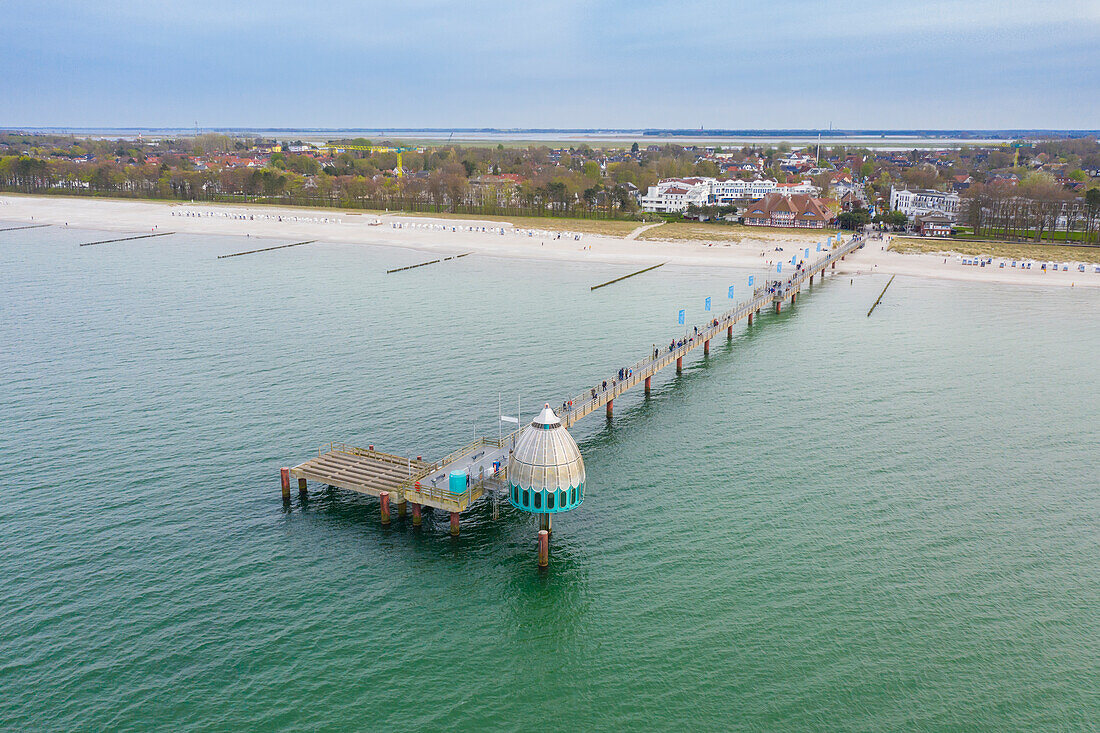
x: 772, y: 291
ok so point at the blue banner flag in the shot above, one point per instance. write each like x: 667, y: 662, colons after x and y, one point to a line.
x: 779, y: 267
x: 793, y: 257
x: 707, y: 304
x: 731, y: 292
x: 819, y: 246
x: 750, y: 281
x: 681, y: 318
x: 807, y: 252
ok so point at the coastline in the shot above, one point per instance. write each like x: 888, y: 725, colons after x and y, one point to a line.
x: 452, y: 236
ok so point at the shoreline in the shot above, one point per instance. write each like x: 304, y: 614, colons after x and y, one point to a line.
x: 426, y: 233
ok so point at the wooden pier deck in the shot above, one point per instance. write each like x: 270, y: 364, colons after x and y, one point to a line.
x: 422, y: 483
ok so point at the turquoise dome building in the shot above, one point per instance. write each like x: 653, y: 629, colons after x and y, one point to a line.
x: 545, y: 470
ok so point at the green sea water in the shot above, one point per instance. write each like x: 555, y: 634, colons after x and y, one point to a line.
x: 833, y: 522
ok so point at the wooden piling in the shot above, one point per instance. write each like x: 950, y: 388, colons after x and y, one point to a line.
x: 127, y: 239
x: 544, y: 548
x: 706, y: 348
x: 778, y: 307
x: 284, y: 476
x: 454, y: 524
x: 679, y: 364
x: 402, y: 507
x: 647, y: 384
x: 416, y: 515
x: 385, y: 497
x: 265, y: 249
x: 624, y: 277
x: 750, y: 319
x: 609, y: 404
x: 302, y: 491
x: 729, y: 331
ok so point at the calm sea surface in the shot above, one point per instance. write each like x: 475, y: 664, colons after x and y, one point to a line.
x: 833, y: 522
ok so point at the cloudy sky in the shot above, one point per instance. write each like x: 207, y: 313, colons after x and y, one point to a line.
x: 626, y: 64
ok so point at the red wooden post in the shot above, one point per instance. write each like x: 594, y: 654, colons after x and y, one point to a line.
x: 284, y: 476
x: 706, y: 347
x: 609, y: 404
x: 679, y: 364
x: 385, y: 496
x: 750, y: 319
x: 454, y: 524
x: 729, y: 331
x: 416, y: 515
x: 647, y: 384
x: 778, y: 306
x: 544, y: 548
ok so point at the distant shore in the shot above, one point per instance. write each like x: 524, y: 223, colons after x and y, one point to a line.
x: 480, y: 236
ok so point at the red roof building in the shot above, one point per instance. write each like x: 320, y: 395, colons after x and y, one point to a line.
x: 796, y: 211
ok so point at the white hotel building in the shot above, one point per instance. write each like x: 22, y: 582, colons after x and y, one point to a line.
x: 676, y: 194
x: 922, y: 201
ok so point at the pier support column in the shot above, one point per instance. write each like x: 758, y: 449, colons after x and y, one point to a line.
x: 834, y: 264
x: 679, y: 364
x: 385, y: 497
x: 706, y: 347
x: 544, y: 548
x: 794, y: 297
x: 647, y: 384
x: 545, y: 523
x: 750, y: 319
x: 609, y: 405
x: 284, y: 477
x: 729, y: 331
x: 416, y: 514
x: 778, y: 307
x: 302, y: 491
x: 454, y: 524
x: 402, y: 507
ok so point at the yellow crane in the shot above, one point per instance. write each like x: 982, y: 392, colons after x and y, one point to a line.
x: 335, y: 148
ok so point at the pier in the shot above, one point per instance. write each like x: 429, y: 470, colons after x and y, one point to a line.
x: 415, y: 483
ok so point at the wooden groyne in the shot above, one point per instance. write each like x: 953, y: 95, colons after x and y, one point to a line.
x: 425, y: 264
x: 880, y: 297
x: 266, y: 249
x: 29, y: 226
x: 624, y: 277
x: 127, y: 239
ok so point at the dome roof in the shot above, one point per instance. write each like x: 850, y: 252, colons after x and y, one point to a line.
x: 546, y: 457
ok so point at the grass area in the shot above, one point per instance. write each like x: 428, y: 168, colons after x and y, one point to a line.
x: 706, y: 232
x: 608, y: 227
x: 1059, y: 236
x: 1006, y: 250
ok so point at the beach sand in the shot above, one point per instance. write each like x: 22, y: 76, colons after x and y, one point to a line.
x: 451, y: 236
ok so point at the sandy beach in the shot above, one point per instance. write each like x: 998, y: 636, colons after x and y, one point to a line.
x: 268, y: 226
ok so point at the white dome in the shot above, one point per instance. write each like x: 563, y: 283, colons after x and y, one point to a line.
x: 546, y: 457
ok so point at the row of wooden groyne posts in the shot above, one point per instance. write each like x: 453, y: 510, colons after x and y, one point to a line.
x: 412, y: 484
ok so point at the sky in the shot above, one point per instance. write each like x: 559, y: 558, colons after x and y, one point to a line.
x: 851, y: 64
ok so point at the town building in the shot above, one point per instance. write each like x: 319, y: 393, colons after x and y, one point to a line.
x: 921, y: 201
x: 676, y: 194
x: 798, y: 210
x: 934, y: 225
